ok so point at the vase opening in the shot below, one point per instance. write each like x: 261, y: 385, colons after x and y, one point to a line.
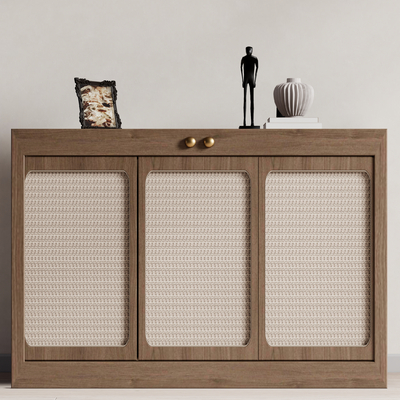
x: 295, y: 80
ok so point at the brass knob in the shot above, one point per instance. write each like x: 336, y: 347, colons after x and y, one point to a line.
x: 190, y: 141
x: 209, y: 142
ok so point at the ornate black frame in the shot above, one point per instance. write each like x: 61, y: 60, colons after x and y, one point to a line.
x: 79, y: 83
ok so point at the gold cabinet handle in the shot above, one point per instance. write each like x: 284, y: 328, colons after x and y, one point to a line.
x: 209, y: 142
x: 190, y: 141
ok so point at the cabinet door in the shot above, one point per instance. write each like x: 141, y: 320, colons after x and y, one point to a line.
x: 80, y: 258
x: 198, y: 255
x: 316, y: 258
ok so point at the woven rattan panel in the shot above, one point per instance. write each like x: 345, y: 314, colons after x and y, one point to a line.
x: 317, y: 252
x: 197, y: 258
x: 76, y: 258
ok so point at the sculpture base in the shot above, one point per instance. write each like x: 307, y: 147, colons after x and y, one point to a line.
x: 249, y: 127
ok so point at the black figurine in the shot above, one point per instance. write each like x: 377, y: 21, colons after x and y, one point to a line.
x: 248, y: 69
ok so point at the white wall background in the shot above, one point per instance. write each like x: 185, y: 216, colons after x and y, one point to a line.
x: 176, y: 63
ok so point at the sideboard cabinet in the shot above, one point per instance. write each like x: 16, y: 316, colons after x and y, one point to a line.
x: 198, y: 258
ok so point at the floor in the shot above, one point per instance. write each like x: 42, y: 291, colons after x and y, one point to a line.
x: 392, y: 392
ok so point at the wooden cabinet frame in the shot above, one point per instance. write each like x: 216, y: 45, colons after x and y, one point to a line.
x: 311, y: 369
x: 129, y: 166
x: 267, y: 164
x: 248, y: 164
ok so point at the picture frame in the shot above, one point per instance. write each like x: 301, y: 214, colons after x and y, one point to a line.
x: 97, y: 104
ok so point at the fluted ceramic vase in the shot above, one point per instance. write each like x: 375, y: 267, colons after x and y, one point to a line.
x: 293, y: 98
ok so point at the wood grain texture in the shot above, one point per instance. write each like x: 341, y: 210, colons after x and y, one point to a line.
x: 17, y: 257
x: 171, y: 142
x: 147, y: 164
x: 129, y: 165
x: 140, y: 142
x: 200, y: 374
x: 380, y: 258
x: 266, y: 351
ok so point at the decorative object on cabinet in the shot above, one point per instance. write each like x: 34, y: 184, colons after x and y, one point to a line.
x: 249, y: 69
x: 292, y: 123
x: 259, y: 261
x: 97, y: 104
x: 293, y: 98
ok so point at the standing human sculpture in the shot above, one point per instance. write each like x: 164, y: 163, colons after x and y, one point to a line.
x: 248, y: 69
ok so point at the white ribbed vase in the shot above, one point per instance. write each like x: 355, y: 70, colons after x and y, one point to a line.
x: 293, y: 98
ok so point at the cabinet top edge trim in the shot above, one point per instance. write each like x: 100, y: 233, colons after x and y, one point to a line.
x: 379, y: 132
x: 171, y: 142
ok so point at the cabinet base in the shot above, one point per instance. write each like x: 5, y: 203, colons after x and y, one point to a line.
x: 199, y: 374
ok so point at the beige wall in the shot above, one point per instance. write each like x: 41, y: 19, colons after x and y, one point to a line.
x: 176, y: 63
